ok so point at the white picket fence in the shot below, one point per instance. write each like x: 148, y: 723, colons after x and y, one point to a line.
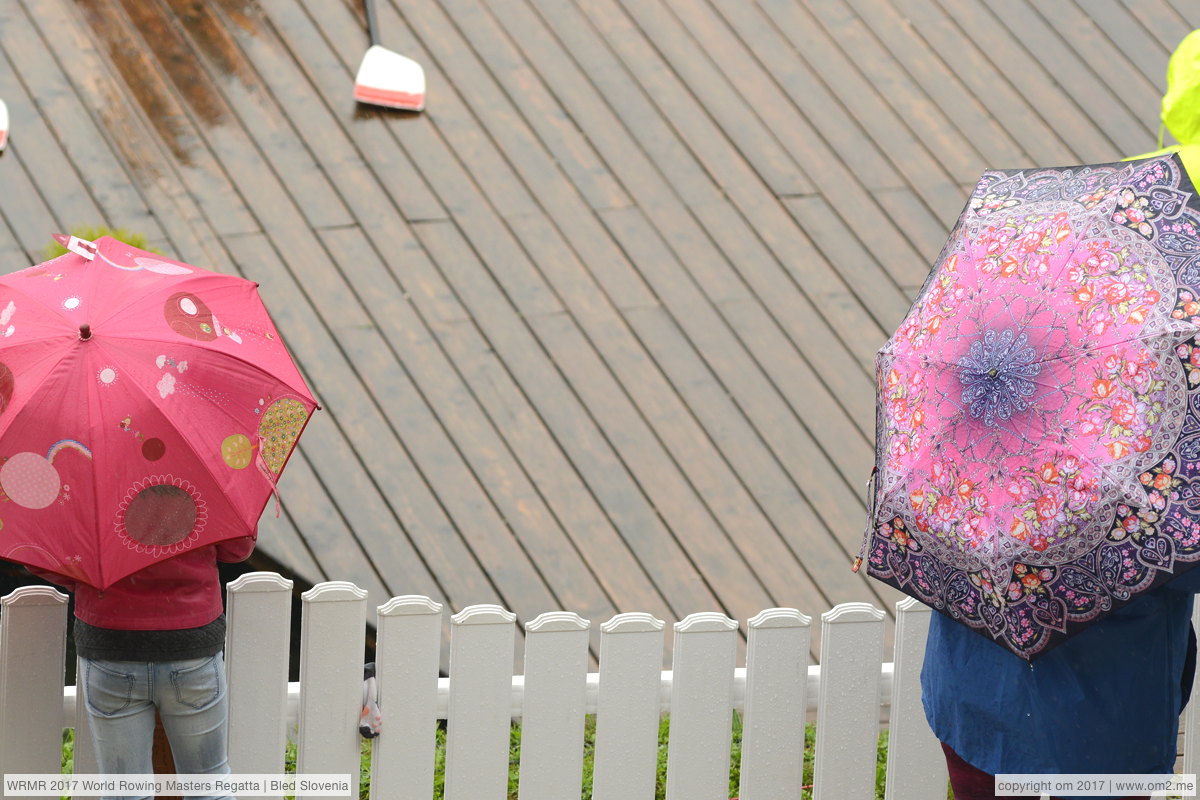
x: 849, y: 696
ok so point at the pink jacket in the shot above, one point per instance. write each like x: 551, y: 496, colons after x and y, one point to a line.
x: 183, y: 591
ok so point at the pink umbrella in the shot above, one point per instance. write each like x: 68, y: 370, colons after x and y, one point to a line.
x: 1038, y: 424
x: 147, y: 407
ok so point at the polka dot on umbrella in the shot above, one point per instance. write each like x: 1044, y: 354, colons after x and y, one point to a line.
x: 30, y: 480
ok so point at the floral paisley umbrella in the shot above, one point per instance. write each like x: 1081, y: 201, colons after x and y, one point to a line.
x: 1038, y: 417
x: 147, y: 407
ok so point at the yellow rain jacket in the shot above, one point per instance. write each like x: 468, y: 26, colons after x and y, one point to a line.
x: 1181, y: 105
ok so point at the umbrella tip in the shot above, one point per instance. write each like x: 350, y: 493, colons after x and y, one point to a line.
x: 85, y: 332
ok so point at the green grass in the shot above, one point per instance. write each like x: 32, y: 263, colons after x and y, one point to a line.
x: 589, y: 746
x: 137, y: 240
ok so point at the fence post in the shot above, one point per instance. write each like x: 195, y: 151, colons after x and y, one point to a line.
x: 33, y: 646
x: 705, y: 654
x: 407, y: 656
x: 916, y: 767
x: 848, y: 702
x: 628, y: 707
x: 1191, y: 719
x: 331, y: 677
x: 480, y: 708
x: 552, y: 714
x: 257, y: 649
x: 776, y: 705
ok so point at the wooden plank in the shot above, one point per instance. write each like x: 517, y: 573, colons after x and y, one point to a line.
x: 496, y: 508
x: 279, y: 539
x: 465, y: 404
x: 38, y: 150
x: 819, y: 579
x: 12, y: 257
x: 1165, y: 24
x: 556, y: 265
x: 437, y: 303
x: 723, y: 96
x: 71, y: 128
x: 638, y: 172
x: 780, y: 111
x: 1075, y: 118
x: 206, y: 112
x: 457, y: 491
x: 929, y: 234
x: 843, y: 249
x: 505, y: 78
x: 25, y: 211
x: 649, y: 131
x: 521, y: 285
x: 334, y: 437
x: 972, y: 67
x: 844, y: 400
x: 710, y: 512
x: 321, y: 524
x: 916, y: 134
x: 839, y: 512
x: 293, y: 57
x: 789, y: 107
x: 597, y: 503
x: 985, y: 142
x: 1119, y: 56
x: 667, y: 416
x: 588, y: 450
x: 205, y: 64
x: 265, y: 193
x: 1084, y: 62
x: 868, y: 102
x: 1188, y: 11
x: 90, y: 71
x: 1136, y: 43
x: 673, y: 105
x: 176, y: 224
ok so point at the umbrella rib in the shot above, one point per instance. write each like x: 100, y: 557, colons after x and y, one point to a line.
x: 54, y: 313
x: 303, y: 389
x: 153, y: 402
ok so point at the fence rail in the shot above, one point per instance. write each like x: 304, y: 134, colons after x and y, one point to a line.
x: 850, y: 696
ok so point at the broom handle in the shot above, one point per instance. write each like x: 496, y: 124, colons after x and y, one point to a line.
x: 372, y: 24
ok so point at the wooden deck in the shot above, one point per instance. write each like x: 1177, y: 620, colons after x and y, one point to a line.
x: 596, y: 330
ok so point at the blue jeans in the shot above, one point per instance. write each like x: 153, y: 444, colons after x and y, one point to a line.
x: 190, y: 696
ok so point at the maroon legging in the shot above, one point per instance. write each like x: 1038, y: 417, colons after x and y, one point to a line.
x: 971, y: 783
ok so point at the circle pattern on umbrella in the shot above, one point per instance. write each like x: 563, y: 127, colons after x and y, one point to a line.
x: 161, y: 514
x: 189, y: 316
x: 30, y: 480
